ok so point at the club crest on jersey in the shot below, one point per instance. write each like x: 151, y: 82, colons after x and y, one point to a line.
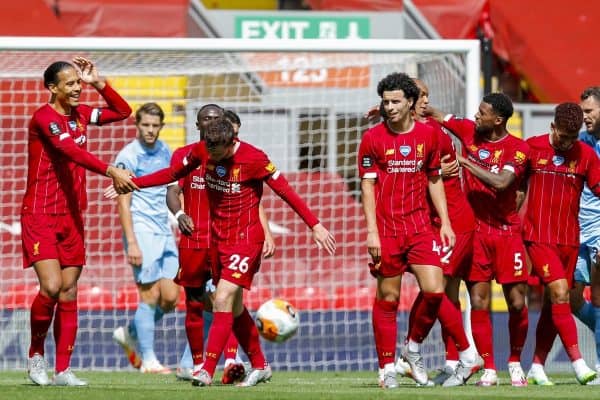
x: 73, y: 125
x: 405, y: 150
x: 235, y: 174
x: 558, y: 160
x: 221, y: 171
x: 420, y: 150
x: 497, y: 155
x: 483, y: 154
x: 54, y: 128
x: 572, y: 167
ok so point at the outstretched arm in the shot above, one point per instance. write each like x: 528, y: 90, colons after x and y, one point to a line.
x: 435, y: 114
x: 321, y: 236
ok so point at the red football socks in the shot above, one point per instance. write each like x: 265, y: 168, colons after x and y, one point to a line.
x: 65, y: 333
x: 385, y: 330
x: 247, y: 334
x: 42, y: 312
x: 194, y: 329
x: 481, y: 326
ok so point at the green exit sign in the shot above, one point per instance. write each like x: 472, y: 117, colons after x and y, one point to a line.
x: 302, y: 27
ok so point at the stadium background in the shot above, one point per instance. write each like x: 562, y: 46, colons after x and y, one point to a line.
x: 527, y: 71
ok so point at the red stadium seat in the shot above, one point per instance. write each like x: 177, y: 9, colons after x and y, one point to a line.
x: 307, y: 298
x: 19, y: 296
x: 354, y: 297
x: 127, y: 298
x: 255, y: 297
x: 93, y: 297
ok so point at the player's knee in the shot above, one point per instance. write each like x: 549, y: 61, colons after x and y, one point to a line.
x: 50, y: 289
x: 69, y: 292
x: 167, y: 306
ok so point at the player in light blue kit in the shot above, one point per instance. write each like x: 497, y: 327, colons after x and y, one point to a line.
x: 148, y: 240
x: 586, y: 272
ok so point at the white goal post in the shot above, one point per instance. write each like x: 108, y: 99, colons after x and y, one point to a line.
x: 303, y: 102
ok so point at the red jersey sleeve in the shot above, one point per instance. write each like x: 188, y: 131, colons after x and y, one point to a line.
x: 177, y: 158
x: 117, y: 109
x: 433, y: 161
x: 367, y: 162
x: 267, y: 171
x: 174, y: 172
x: 518, y: 162
x: 462, y: 128
x: 281, y: 186
x: 52, y: 133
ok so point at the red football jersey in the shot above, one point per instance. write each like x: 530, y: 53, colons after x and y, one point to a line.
x: 235, y: 186
x: 494, y: 210
x: 58, y: 156
x: 459, y: 211
x: 555, y: 184
x: 401, y: 164
x: 195, y: 202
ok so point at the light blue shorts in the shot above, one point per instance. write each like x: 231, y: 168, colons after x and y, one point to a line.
x: 159, y: 257
x: 587, y: 252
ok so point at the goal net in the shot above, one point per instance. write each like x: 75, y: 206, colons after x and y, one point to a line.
x: 303, y: 103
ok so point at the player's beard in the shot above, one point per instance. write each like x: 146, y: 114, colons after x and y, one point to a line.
x: 483, y: 131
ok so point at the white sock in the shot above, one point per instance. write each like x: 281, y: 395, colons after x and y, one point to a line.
x: 451, y: 363
x: 413, y: 346
x: 229, y: 361
x: 468, y: 355
x: 536, y: 368
x: 389, y: 367
x: 580, y: 366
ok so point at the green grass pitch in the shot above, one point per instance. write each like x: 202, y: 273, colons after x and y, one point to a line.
x: 14, y: 385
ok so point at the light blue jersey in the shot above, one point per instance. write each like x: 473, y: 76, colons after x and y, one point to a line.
x: 589, y: 220
x: 148, y: 206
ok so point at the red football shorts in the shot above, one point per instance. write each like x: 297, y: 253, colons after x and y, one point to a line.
x: 456, y: 262
x: 56, y: 236
x: 498, y: 256
x: 235, y: 263
x: 551, y: 262
x: 194, y: 268
x: 398, y: 253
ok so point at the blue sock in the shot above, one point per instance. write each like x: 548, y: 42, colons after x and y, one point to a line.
x: 597, y: 333
x: 587, y: 315
x: 186, y: 357
x: 158, y: 314
x: 144, y: 326
x: 208, y: 319
x: 132, y: 330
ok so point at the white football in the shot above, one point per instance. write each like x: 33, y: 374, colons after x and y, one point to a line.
x: 277, y: 320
